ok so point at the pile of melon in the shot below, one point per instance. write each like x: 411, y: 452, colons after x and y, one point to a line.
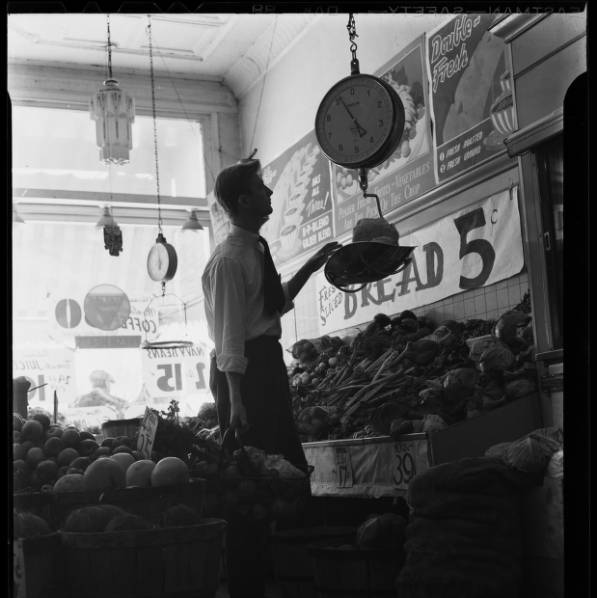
x: 50, y: 458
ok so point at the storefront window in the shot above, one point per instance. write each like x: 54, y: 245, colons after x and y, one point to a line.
x: 61, y: 271
x: 550, y: 158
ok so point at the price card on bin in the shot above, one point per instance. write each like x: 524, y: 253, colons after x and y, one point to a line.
x: 147, y: 432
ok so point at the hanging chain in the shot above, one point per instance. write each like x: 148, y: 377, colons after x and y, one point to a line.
x: 352, y: 34
x: 109, y: 49
x: 155, y: 130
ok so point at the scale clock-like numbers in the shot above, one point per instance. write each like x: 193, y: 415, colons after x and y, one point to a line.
x: 359, y: 121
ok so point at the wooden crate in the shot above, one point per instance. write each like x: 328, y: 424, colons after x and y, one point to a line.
x: 174, y: 562
x: 38, y: 567
x: 150, y: 502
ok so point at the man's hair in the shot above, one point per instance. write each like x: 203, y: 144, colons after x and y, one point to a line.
x: 233, y: 181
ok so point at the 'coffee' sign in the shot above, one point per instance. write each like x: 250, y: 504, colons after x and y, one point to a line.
x: 475, y: 247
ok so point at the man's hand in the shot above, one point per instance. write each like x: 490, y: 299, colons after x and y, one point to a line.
x: 238, y: 416
x: 321, y: 257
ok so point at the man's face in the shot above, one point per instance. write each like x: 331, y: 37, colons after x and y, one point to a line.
x: 259, y: 198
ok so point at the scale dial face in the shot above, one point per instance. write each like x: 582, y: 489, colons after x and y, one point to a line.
x: 161, y: 262
x: 359, y: 121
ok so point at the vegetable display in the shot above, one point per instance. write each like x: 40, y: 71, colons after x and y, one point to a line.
x: 405, y: 374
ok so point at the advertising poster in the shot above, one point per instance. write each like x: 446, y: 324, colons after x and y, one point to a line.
x: 409, y: 172
x: 475, y: 247
x: 302, y: 217
x: 471, y: 93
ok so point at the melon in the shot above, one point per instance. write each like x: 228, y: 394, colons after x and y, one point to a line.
x: 46, y: 471
x: 81, y: 463
x: 70, y: 482
x: 20, y: 474
x: 170, y: 471
x: 122, y: 448
x: 128, y: 521
x: 28, y: 525
x: 123, y: 459
x: 62, y: 470
x: 70, y: 437
x: 18, y: 451
x: 32, y: 430
x: 139, y: 473
x: 54, y: 430
x: 92, y: 518
x: 75, y: 470
x: 103, y: 474
x: 52, y: 446
x: 87, y: 446
x: 180, y: 515
x: 109, y: 442
x: 85, y: 435
x: 102, y: 451
x: 66, y: 456
x: 16, y: 436
x: 123, y: 441
x: 43, y: 419
x: 34, y: 455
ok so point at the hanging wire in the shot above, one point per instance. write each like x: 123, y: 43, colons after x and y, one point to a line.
x: 109, y: 49
x: 269, y: 54
x: 155, y: 130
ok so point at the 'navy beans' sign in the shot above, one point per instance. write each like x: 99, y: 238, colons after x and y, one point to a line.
x: 475, y: 247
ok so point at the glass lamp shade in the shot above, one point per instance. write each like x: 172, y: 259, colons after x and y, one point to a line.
x: 106, y: 218
x: 113, y: 111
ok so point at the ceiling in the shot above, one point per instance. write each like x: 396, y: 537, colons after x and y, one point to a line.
x: 236, y: 49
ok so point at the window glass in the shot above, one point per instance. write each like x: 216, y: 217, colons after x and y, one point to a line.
x: 551, y: 160
x: 56, y: 149
x: 97, y: 374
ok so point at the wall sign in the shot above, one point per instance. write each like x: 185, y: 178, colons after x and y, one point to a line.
x: 175, y: 373
x: 302, y: 218
x: 475, y: 247
x: 471, y: 97
x: 409, y: 172
x: 368, y: 468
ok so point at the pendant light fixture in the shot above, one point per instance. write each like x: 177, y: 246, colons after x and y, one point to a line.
x: 192, y: 222
x: 112, y: 232
x: 113, y: 111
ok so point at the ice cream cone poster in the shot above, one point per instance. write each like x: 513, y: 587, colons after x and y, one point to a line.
x: 302, y: 216
x: 408, y: 173
x: 471, y: 93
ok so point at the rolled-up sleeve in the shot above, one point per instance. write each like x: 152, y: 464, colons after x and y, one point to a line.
x: 229, y: 306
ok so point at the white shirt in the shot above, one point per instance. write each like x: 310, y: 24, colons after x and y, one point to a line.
x: 233, y: 297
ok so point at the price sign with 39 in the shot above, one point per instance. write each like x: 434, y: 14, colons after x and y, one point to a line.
x: 404, y: 467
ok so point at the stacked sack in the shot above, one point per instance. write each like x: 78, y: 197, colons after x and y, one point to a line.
x: 464, y: 538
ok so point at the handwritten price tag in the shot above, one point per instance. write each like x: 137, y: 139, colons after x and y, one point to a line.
x: 404, y: 468
x: 147, y: 432
x: 344, y: 467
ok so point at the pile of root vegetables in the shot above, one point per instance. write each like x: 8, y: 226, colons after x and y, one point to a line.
x: 406, y: 374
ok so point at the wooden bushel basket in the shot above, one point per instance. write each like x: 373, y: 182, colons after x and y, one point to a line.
x: 173, y: 562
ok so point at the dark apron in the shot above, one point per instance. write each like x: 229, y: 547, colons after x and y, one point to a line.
x: 265, y: 393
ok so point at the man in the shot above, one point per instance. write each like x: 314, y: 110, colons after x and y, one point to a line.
x: 244, y: 300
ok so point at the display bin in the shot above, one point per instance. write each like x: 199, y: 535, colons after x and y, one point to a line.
x: 355, y: 573
x: 292, y: 567
x: 149, y: 503
x: 38, y: 568
x: 173, y: 562
x: 121, y: 427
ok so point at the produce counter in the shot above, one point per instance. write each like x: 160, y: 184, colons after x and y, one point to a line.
x: 366, y: 467
x: 380, y: 466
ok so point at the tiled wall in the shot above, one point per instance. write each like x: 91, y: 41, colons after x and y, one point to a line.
x: 487, y: 303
